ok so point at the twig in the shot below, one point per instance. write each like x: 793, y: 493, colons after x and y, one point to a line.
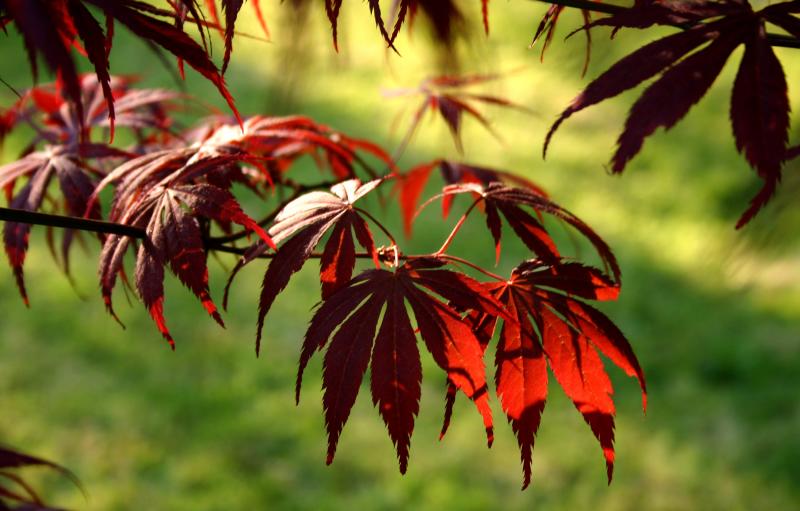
x: 70, y: 222
x: 780, y: 40
x: 104, y: 227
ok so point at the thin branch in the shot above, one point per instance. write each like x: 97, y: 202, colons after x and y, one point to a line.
x: 104, y: 227
x: 377, y: 224
x: 780, y: 40
x: 227, y: 249
x: 10, y: 87
x: 70, y: 222
x: 101, y: 226
x: 455, y: 230
x: 474, y: 266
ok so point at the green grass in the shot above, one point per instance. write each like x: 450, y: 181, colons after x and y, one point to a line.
x: 713, y: 315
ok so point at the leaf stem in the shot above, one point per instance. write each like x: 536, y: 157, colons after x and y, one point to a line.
x: 474, y: 266
x: 378, y: 224
x: 457, y: 227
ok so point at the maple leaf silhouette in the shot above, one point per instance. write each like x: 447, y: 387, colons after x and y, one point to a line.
x: 15, y: 490
x: 547, y: 28
x: 446, y: 20
x: 349, y: 319
x: 688, y: 63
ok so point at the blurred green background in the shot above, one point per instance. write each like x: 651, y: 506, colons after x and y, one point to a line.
x: 713, y: 314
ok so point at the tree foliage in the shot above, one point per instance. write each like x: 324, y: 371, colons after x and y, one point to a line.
x: 173, y: 202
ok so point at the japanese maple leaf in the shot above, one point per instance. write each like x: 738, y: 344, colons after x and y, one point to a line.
x: 410, y: 185
x: 300, y: 226
x: 443, y: 15
x: 76, y: 180
x: 232, y: 8
x: 547, y: 28
x: 14, y: 489
x: 76, y: 165
x: 499, y: 199
x: 349, y: 319
x: 446, y: 20
x: 288, y: 138
x: 447, y: 96
x: 52, y: 28
x: 55, y: 119
x: 688, y: 63
x: 166, y: 194
x: 332, y: 9
x: 554, y: 328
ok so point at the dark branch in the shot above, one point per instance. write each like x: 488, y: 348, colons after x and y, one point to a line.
x: 783, y: 41
x: 101, y: 226
x: 70, y: 222
x: 227, y: 249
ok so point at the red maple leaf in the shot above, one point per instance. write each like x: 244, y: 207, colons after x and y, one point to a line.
x: 349, y: 319
x: 166, y: 193
x: 448, y: 95
x: 52, y: 28
x: 511, y: 203
x: 76, y: 165
x: 410, y: 185
x: 300, y: 225
x: 553, y: 328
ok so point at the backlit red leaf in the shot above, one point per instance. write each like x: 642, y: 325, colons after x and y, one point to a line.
x: 345, y: 363
x: 521, y: 378
x: 411, y: 184
x: 553, y: 328
x: 353, y: 312
x: 580, y: 373
x: 396, y: 375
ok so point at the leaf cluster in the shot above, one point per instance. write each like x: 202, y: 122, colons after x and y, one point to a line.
x: 172, y: 196
x: 177, y: 191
